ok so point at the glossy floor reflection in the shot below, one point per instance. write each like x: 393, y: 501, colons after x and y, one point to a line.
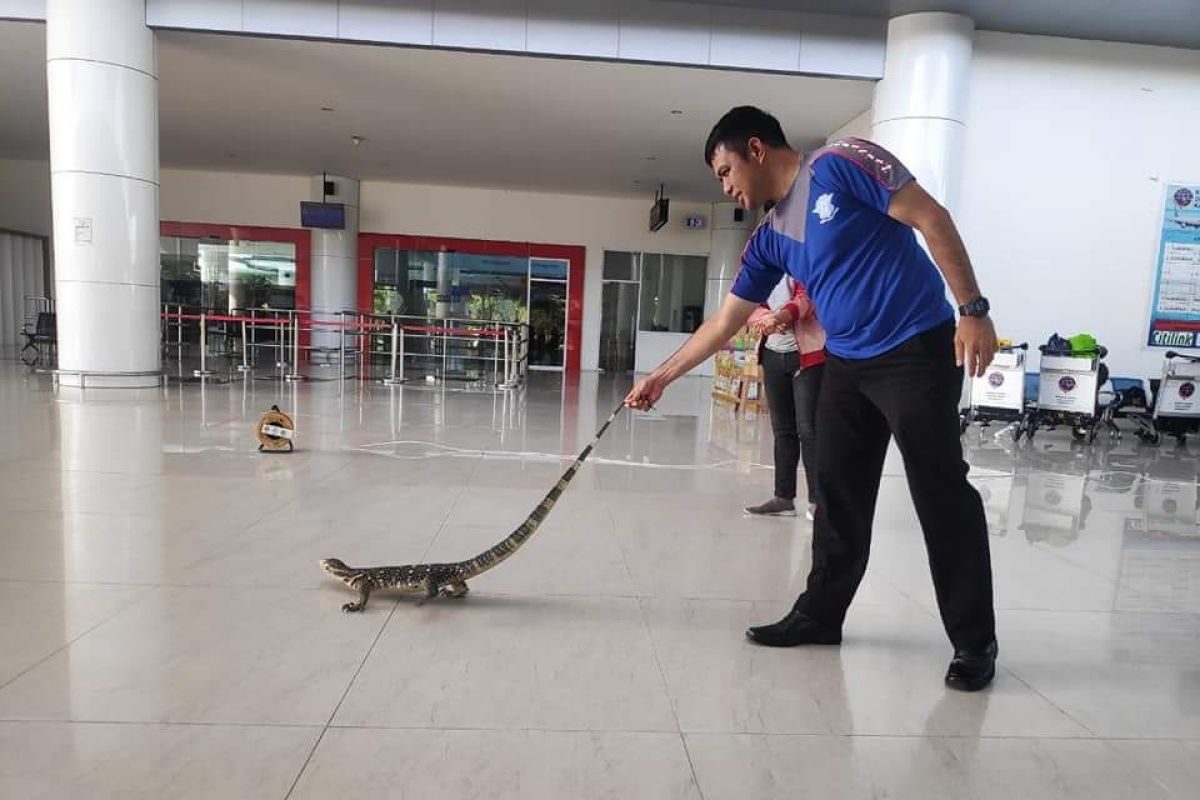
x: 165, y: 629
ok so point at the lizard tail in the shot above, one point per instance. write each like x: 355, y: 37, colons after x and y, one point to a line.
x: 509, y: 545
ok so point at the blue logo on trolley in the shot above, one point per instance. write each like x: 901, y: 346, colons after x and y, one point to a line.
x: 996, y: 379
x: 1066, y: 383
x: 1187, y: 390
x: 1184, y: 197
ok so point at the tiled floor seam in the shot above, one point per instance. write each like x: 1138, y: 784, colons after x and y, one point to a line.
x: 342, y: 699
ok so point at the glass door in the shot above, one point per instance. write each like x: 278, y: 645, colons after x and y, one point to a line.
x: 619, y: 303
x: 547, y: 313
x: 618, y: 326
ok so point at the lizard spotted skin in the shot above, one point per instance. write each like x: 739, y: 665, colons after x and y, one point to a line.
x: 450, y: 580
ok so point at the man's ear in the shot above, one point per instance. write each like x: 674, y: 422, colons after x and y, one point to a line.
x: 756, y: 150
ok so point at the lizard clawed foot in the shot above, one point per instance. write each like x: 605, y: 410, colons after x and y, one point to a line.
x: 351, y: 607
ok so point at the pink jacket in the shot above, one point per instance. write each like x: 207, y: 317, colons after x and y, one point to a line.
x: 810, y: 336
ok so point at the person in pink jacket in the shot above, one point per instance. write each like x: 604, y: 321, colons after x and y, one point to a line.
x: 791, y: 350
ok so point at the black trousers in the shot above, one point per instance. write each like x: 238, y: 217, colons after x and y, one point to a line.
x: 911, y: 393
x: 792, y: 398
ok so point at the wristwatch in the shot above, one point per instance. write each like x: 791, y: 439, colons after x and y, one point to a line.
x: 979, y: 307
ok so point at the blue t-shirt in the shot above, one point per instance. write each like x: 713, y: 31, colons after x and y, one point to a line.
x: 872, y: 284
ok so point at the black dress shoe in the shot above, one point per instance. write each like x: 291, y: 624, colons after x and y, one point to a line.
x: 794, y: 629
x: 972, y: 668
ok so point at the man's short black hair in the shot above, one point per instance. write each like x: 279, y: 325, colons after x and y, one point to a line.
x: 738, y: 127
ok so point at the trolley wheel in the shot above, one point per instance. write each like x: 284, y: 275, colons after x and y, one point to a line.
x: 1150, y: 437
x: 1079, y: 432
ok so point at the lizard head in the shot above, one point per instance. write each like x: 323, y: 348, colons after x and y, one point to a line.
x: 334, y: 565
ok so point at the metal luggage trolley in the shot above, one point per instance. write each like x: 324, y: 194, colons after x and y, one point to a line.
x: 999, y: 396
x: 1127, y: 399
x: 1068, y: 393
x: 1175, y: 410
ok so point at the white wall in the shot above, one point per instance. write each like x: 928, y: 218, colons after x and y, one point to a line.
x: 232, y: 198
x: 860, y: 126
x: 1068, y: 146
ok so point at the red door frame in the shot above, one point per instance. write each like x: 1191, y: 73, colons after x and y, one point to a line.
x: 300, y: 237
x: 574, y: 255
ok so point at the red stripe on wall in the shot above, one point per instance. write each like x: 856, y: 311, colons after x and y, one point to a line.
x: 1174, y: 325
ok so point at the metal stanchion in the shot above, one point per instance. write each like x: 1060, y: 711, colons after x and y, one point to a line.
x: 342, y: 344
x: 295, y: 375
x: 179, y: 333
x: 362, y: 353
x: 523, y: 355
x: 507, y: 362
x: 204, y: 371
x: 495, y: 358
x: 392, y: 380
x: 245, y: 365
x: 281, y: 349
x: 445, y: 352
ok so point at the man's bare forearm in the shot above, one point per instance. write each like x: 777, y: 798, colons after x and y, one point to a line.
x: 708, y: 339
x: 950, y: 255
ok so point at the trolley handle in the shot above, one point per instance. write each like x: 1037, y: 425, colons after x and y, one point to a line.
x: 1012, y: 347
x: 1184, y: 356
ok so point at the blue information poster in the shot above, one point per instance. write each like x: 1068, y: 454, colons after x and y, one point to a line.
x: 1175, y: 315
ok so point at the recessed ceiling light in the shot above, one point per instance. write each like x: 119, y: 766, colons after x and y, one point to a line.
x: 327, y: 108
x: 677, y: 112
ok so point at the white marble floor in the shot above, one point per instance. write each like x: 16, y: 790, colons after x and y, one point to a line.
x: 165, y: 630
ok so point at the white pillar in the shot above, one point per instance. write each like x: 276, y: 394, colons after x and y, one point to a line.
x: 102, y: 82
x: 921, y: 103
x: 729, y: 235
x: 442, y: 309
x: 334, y: 262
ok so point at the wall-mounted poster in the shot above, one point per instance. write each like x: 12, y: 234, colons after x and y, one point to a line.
x: 1175, y: 315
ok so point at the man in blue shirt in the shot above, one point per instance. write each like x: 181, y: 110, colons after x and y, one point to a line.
x: 842, y: 222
